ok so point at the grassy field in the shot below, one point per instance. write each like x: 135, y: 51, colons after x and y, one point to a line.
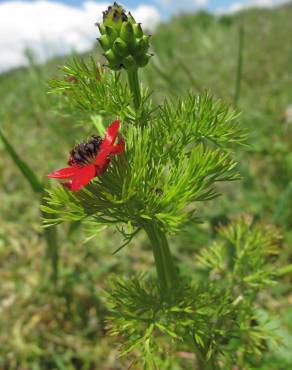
x: 48, y: 327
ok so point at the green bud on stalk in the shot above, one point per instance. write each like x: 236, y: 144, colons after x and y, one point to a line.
x: 124, y: 43
x: 105, y: 42
x: 120, y: 47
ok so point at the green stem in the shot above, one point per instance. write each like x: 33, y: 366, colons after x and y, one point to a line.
x: 52, y: 246
x: 165, y: 267
x: 239, y: 66
x: 134, y: 86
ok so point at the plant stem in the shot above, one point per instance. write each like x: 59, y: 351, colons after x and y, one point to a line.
x: 134, y: 86
x: 38, y: 188
x: 239, y: 66
x: 52, y: 246
x: 165, y: 267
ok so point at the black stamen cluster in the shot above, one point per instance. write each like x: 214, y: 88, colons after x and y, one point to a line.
x: 84, y: 153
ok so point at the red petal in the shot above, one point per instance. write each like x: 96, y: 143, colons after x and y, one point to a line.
x: 102, y: 157
x: 101, y: 169
x: 83, y: 177
x: 67, y: 184
x: 64, y: 173
x: 119, y: 148
x: 111, y: 134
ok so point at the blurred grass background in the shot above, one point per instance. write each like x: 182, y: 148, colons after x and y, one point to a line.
x: 43, y: 326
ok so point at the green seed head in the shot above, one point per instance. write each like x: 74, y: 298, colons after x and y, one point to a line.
x: 122, y: 39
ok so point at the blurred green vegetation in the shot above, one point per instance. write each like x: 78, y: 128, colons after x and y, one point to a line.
x: 62, y: 327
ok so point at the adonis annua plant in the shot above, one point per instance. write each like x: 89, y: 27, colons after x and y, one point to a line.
x: 145, y: 171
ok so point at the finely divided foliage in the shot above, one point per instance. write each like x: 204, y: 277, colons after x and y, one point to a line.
x: 95, y: 90
x: 251, y: 246
x: 216, y: 318
x: 169, y: 164
x: 174, y: 155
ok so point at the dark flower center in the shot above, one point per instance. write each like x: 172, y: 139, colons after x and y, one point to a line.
x: 84, y: 153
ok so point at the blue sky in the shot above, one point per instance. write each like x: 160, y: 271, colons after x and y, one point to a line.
x: 56, y: 27
x: 168, y: 7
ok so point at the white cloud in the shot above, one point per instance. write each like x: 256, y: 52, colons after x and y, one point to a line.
x: 179, y: 5
x: 49, y: 28
x: 185, y: 2
x: 147, y: 15
x: 240, y: 5
x: 201, y: 2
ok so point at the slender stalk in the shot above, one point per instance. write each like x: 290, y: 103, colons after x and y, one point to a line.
x: 53, y: 252
x: 239, y: 66
x: 134, y: 86
x: 166, y: 271
x: 38, y: 188
x: 52, y: 246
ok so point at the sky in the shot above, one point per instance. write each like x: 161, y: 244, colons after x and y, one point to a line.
x: 57, y: 27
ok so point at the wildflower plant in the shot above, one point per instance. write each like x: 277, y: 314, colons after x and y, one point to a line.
x: 149, y: 173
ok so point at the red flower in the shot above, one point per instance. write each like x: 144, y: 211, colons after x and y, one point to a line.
x: 90, y: 159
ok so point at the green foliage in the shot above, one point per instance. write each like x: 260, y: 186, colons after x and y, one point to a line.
x: 29, y: 175
x: 201, y: 119
x: 87, y: 90
x: 174, y: 156
x: 44, y: 330
x: 219, y: 318
x: 143, y: 318
x: 168, y: 165
x: 240, y: 259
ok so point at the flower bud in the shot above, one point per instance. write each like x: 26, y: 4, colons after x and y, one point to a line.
x: 120, y: 47
x: 142, y: 60
x: 138, y: 32
x: 104, y: 42
x: 142, y: 45
x: 111, y: 57
x: 129, y: 62
x: 124, y: 43
x: 127, y: 33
